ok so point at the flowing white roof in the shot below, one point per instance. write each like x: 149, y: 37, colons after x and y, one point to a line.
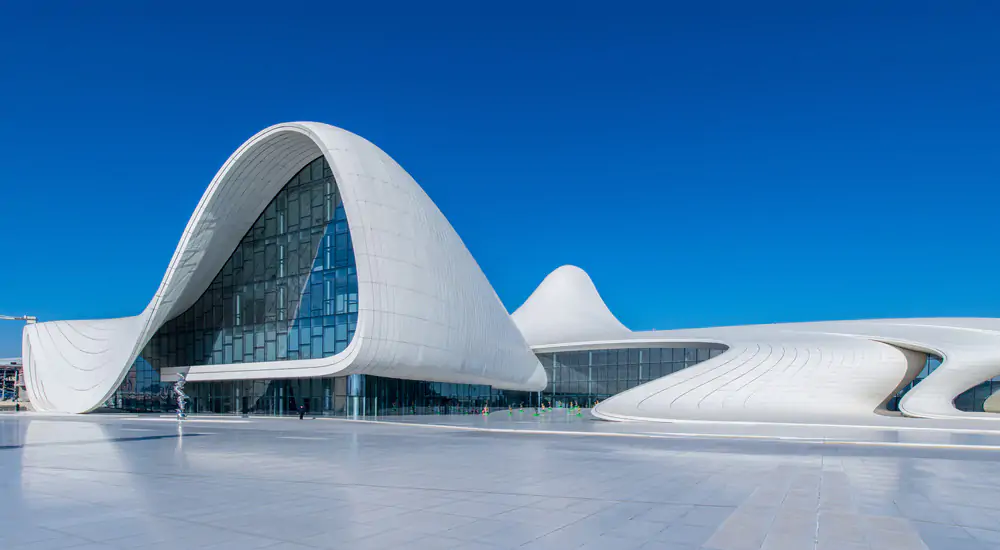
x: 566, y: 307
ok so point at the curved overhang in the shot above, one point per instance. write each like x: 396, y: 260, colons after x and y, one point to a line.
x: 835, y: 369
x: 777, y: 371
x: 425, y: 309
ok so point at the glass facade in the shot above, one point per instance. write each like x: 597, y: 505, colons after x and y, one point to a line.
x: 582, y: 377
x: 289, y: 290
x: 971, y: 400
x: 588, y: 376
x: 142, y: 391
x: 353, y: 395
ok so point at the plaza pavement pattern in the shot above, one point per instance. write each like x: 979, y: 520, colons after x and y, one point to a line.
x: 511, y: 480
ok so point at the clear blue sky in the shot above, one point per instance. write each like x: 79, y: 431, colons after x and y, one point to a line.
x: 718, y: 164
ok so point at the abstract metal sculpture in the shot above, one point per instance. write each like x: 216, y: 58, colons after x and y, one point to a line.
x: 182, y: 397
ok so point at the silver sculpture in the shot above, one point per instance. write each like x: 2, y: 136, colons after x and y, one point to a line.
x: 182, y: 397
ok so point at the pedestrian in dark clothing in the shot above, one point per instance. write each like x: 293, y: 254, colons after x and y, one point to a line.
x: 302, y: 411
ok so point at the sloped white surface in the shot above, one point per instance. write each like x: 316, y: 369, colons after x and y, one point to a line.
x: 566, y: 307
x: 426, y: 311
x: 789, y: 372
x: 778, y: 372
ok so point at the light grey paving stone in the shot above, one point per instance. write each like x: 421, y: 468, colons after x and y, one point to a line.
x: 941, y: 531
x: 707, y: 516
x: 589, y: 506
x: 463, y: 544
x: 514, y: 500
x: 739, y: 534
x: 237, y: 542
x: 429, y: 522
x: 59, y: 543
x: 381, y: 514
x: 682, y: 533
x: 609, y: 541
x: 478, y: 529
x: 841, y: 526
x: 107, y: 530
x: 570, y: 536
x: 985, y: 535
x: 637, y: 529
x: 290, y: 546
x: 244, y: 487
x: 473, y: 509
x: 16, y: 532
x: 396, y: 538
x: 777, y: 540
x: 499, y: 532
x: 665, y: 513
x: 89, y: 546
x: 933, y: 542
x: 659, y: 545
x: 549, y: 518
x: 889, y: 539
x: 968, y: 516
x: 556, y: 503
x: 438, y: 543
x: 835, y: 544
x: 922, y: 510
x: 345, y: 533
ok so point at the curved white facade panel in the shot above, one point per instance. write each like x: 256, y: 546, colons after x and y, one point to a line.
x: 814, y: 370
x: 566, y: 307
x: 778, y: 372
x: 425, y: 309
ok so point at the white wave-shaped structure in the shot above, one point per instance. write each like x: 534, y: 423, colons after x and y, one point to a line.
x: 425, y: 309
x: 779, y: 372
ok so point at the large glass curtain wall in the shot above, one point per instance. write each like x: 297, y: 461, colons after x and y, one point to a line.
x: 582, y: 377
x: 587, y: 376
x: 289, y: 290
x: 355, y: 395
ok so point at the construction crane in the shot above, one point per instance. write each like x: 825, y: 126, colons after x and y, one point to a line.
x: 11, y: 386
x: 30, y: 319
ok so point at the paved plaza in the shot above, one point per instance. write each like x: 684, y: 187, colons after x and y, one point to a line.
x: 553, y: 482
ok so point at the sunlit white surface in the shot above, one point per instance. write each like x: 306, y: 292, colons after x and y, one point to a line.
x: 836, y: 371
x: 566, y: 307
x: 425, y: 309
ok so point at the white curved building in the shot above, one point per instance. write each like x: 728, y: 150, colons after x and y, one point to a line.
x: 316, y: 273
x: 817, y: 372
x: 309, y: 237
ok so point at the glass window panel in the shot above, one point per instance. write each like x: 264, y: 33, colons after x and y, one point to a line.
x: 260, y: 286
x: 329, y: 340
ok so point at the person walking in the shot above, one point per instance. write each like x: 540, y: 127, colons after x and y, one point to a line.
x: 302, y: 412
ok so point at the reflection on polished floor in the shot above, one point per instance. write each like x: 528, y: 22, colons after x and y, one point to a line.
x: 511, y: 480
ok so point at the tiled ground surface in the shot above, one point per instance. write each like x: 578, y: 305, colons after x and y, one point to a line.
x: 116, y: 483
